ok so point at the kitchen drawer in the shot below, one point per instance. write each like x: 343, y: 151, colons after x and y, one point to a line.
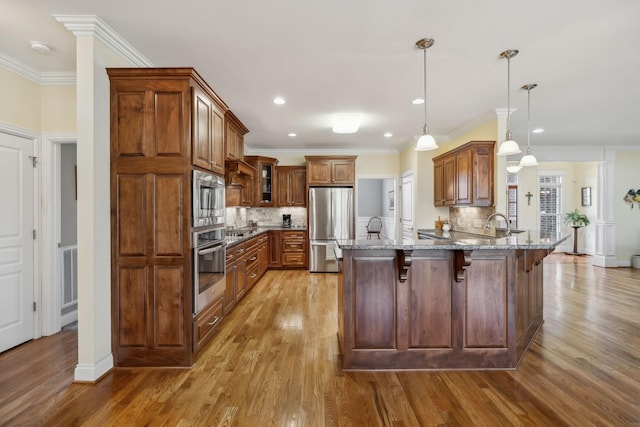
x: 293, y: 246
x: 206, y: 323
x: 234, y: 252
x: 293, y: 259
x: 294, y: 235
x: 252, y: 257
x: 252, y: 274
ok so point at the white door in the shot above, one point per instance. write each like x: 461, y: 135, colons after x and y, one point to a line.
x: 406, y: 191
x: 16, y: 241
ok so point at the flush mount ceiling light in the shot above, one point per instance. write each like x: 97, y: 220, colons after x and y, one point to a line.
x: 508, y: 146
x: 292, y: 134
x: 40, y: 47
x: 388, y: 135
x: 426, y: 141
x: 346, y: 123
x: 278, y: 100
x: 513, y: 167
x: 417, y: 101
x: 528, y: 159
x: 538, y: 130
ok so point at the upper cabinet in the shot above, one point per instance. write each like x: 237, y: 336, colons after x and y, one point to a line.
x: 234, y: 137
x: 464, y: 175
x: 291, y: 186
x: 265, y: 180
x: 208, y: 130
x: 331, y: 170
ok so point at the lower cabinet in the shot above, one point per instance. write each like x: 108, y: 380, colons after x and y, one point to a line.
x: 294, y: 249
x: 236, y: 276
x: 206, y: 323
x: 275, y: 248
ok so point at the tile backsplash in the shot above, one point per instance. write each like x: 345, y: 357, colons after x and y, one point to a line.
x: 472, y: 220
x: 237, y: 217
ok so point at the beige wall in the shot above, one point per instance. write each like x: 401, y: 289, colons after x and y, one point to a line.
x: 28, y: 105
x: 58, y: 108
x: 626, y: 177
x: 20, y: 103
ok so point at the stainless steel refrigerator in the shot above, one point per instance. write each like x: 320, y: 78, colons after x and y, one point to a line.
x: 331, y: 218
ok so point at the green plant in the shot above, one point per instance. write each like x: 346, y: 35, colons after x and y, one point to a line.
x: 576, y: 219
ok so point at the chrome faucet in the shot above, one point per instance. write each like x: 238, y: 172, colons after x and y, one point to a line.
x: 487, y: 226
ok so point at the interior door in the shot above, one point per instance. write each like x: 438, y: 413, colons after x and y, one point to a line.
x: 16, y: 241
x: 406, y: 194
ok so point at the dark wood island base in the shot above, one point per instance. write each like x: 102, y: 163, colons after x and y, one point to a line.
x: 414, y: 308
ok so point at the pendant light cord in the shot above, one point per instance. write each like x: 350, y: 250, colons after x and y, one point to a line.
x: 508, y: 98
x: 424, y: 75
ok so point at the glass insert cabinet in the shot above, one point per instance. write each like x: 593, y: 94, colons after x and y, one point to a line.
x: 266, y: 179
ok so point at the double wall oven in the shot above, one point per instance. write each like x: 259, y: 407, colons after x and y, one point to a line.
x: 208, y: 240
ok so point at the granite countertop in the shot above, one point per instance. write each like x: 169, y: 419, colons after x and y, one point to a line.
x: 456, y: 240
x: 250, y: 234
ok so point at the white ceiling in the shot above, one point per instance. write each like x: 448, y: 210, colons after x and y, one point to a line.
x: 332, y: 56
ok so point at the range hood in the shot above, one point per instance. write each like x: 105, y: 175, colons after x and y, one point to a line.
x: 236, y: 171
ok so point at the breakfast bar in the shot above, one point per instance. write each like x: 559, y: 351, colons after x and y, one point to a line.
x: 462, y: 302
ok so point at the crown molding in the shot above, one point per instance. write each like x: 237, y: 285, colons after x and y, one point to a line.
x: 91, y: 25
x: 17, y: 67
x: 319, y: 152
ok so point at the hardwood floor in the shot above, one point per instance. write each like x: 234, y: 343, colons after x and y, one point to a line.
x: 275, y: 362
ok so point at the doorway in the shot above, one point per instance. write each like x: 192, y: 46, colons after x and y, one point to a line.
x: 67, y: 247
x: 376, y: 198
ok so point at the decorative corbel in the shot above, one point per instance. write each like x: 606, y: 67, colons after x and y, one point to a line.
x: 461, y: 260
x: 404, y: 262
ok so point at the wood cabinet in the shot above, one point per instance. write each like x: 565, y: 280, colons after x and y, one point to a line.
x: 163, y: 121
x: 265, y: 186
x: 234, y: 137
x: 246, y: 263
x: 464, y: 175
x: 275, y: 249
x: 331, y: 170
x: 239, y: 178
x: 294, y: 249
x: 449, y: 311
x: 292, y: 181
x: 206, y: 323
x: 208, y: 131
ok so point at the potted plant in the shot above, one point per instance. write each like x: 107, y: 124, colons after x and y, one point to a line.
x: 576, y: 220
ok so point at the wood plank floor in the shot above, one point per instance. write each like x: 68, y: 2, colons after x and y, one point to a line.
x: 275, y: 363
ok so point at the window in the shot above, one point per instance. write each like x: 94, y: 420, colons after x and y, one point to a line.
x: 512, y: 199
x: 550, y: 188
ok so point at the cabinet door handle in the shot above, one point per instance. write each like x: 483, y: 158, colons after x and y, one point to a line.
x: 215, y: 320
x: 253, y: 275
x: 253, y: 258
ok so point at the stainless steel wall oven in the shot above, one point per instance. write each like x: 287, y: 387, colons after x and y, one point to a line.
x: 208, y: 239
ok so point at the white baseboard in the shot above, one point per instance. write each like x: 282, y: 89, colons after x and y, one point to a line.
x: 92, y: 373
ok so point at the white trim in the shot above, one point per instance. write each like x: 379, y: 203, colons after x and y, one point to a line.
x: 477, y: 122
x: 319, y: 151
x: 92, y: 373
x: 50, y: 174
x: 91, y: 25
x: 29, y: 73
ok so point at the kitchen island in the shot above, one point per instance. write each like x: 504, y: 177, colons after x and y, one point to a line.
x: 466, y: 302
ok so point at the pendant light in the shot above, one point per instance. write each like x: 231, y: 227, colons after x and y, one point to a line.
x: 528, y: 159
x: 513, y: 167
x: 508, y: 146
x: 426, y: 142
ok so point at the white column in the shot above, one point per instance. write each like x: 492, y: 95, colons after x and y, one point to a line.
x: 97, y: 47
x: 605, y: 254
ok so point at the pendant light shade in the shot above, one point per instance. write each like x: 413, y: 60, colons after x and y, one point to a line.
x: 528, y: 159
x: 508, y: 146
x: 426, y: 142
x: 513, y: 167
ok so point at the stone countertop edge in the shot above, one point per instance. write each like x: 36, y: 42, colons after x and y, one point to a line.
x: 259, y: 231
x: 519, y: 241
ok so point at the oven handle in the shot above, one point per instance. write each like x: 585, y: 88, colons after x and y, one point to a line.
x: 212, y: 248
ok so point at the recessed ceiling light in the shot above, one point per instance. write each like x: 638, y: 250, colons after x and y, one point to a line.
x: 388, y: 135
x: 538, y: 130
x: 417, y: 101
x: 40, y: 47
x: 292, y: 134
x: 346, y: 123
x: 278, y: 100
